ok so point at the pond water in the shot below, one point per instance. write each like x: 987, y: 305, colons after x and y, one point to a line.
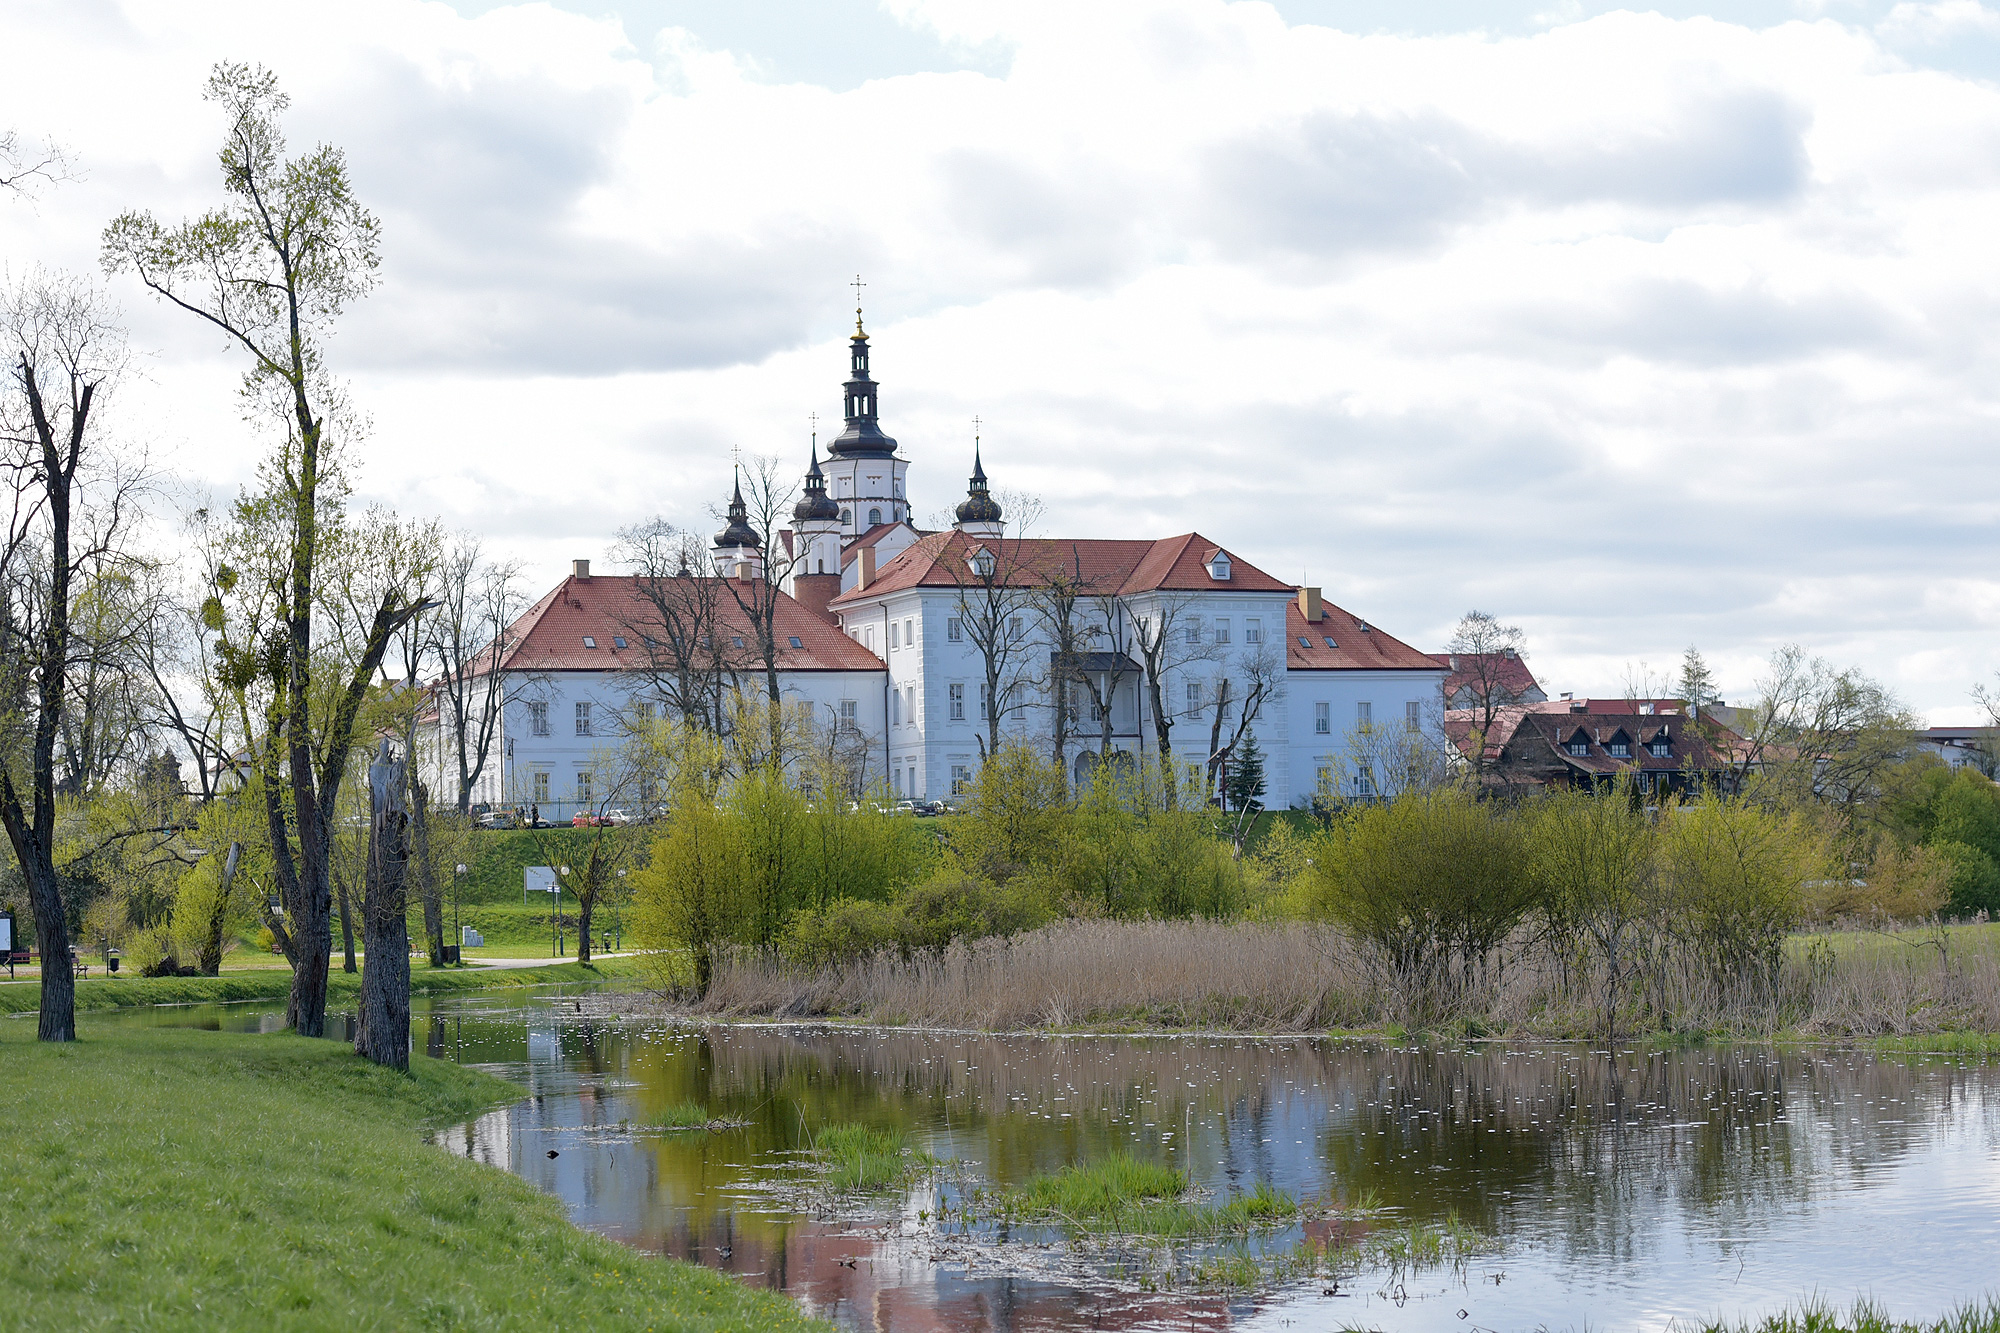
x: 1618, y: 1189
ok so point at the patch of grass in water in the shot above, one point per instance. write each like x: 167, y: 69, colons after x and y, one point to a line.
x: 856, y: 1158
x: 1940, y: 1043
x: 682, y: 1115
x: 1107, y: 1187
x: 1818, y: 1317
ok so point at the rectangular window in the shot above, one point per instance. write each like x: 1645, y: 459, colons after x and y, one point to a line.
x: 1253, y: 632
x: 538, y: 718
x: 985, y: 705
x: 849, y: 715
x: 1194, y: 695
x: 1621, y: 749
x: 796, y: 642
x: 1222, y: 631
x: 956, y: 694
x: 1194, y: 629
x: 1322, y: 719
x: 645, y: 711
x: 909, y: 633
x: 954, y: 631
x: 736, y: 640
x: 1413, y: 716
x: 868, y: 639
x: 583, y: 784
x: 1660, y: 748
x: 894, y: 642
x: 618, y: 641
x: 895, y: 708
x: 896, y: 776
x: 1323, y: 779
x: 1014, y: 628
x: 540, y: 787
x: 961, y: 778
x: 1364, y: 781
x: 583, y: 718
x: 1364, y: 715
x: 1579, y: 748
x: 589, y: 642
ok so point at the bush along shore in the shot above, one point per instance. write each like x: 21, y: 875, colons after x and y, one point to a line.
x: 1128, y: 903
x: 180, y: 1179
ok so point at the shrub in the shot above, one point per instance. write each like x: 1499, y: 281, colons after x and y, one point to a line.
x: 1735, y: 876
x: 1974, y: 883
x: 1424, y: 877
x: 841, y: 931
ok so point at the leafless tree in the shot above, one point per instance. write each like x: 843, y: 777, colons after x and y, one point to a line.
x: 25, y: 167
x: 1263, y: 675
x: 995, y: 579
x: 1481, y: 649
x: 69, y: 508
x: 1059, y: 606
x: 469, y: 636
x: 1819, y: 733
x: 1105, y: 669
x: 687, y: 656
x: 272, y: 271
x: 1166, y: 634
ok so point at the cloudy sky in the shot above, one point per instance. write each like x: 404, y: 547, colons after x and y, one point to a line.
x: 1641, y: 328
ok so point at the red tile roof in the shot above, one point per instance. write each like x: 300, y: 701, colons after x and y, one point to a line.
x: 938, y: 560
x: 1355, y: 649
x: 550, y: 635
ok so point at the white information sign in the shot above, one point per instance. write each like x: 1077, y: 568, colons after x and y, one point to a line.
x: 6, y: 934
x: 537, y: 879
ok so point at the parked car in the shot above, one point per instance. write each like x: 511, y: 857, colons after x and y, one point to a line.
x: 618, y: 817
x: 501, y: 818
x: 588, y: 820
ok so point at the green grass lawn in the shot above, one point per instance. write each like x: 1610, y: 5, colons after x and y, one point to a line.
x: 123, y: 992
x: 180, y: 1179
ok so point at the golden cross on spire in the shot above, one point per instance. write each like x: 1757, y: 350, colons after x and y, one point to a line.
x: 857, y: 285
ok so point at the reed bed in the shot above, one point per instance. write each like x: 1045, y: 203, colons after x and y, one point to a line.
x: 1298, y: 977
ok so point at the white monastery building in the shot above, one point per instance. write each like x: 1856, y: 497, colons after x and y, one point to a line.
x: 909, y: 641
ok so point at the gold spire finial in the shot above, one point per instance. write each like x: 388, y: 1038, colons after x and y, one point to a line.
x: 857, y: 285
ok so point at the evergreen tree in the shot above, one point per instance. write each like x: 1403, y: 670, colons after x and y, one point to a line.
x: 1246, y: 778
x: 1697, y: 686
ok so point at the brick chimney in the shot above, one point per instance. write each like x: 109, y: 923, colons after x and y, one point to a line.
x: 580, y: 568
x: 1309, y: 605
x: 814, y: 591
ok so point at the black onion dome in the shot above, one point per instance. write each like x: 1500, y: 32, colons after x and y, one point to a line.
x: 979, y: 506
x: 816, y: 505
x: 739, y: 533
x: 862, y: 437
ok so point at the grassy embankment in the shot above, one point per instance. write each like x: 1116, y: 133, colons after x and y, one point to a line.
x: 183, y: 1179
x: 121, y: 992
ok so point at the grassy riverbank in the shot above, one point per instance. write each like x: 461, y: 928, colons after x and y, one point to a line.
x: 99, y: 993
x: 183, y: 1179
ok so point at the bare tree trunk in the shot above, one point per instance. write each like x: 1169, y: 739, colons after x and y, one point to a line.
x: 428, y: 891
x: 383, y: 1031
x: 346, y: 920
x: 210, y: 962
x: 585, y: 901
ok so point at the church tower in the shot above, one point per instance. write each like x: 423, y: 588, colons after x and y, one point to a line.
x: 980, y: 514
x: 863, y: 475
x: 816, y: 538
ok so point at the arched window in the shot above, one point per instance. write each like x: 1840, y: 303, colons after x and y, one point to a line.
x: 847, y: 516
x: 874, y: 517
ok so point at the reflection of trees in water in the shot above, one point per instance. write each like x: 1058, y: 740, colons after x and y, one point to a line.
x: 1597, y: 1148
x: 1590, y: 1154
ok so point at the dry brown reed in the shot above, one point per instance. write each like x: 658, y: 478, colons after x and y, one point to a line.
x: 1305, y: 977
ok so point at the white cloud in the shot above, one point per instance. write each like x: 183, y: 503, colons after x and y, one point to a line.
x: 1644, y: 331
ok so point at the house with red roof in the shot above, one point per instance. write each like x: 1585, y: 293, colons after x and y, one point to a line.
x: 926, y: 649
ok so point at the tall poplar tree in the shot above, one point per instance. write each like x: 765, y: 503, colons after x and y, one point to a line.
x: 271, y: 270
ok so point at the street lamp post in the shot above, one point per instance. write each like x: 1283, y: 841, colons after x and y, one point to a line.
x: 457, y: 873
x: 562, y: 872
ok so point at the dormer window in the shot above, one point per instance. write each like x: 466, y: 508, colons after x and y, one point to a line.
x: 982, y: 563
x: 1619, y: 747
x: 1661, y: 747
x: 1579, y: 745
x: 1218, y: 566
x: 589, y: 641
